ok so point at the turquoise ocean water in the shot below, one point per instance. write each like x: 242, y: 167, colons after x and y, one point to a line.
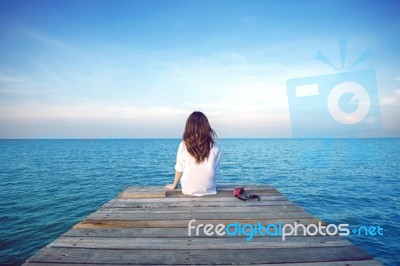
x: 49, y: 185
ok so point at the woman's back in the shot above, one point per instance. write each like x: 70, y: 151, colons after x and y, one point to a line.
x: 198, y: 179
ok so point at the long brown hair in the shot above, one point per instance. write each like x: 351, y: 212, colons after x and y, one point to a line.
x: 199, y: 137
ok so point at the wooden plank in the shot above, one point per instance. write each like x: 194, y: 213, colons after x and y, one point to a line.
x: 279, y: 208
x: 121, y: 215
x: 330, y: 263
x: 230, y: 187
x: 149, y: 205
x: 247, y: 187
x: 198, y: 243
x: 226, y: 193
x: 215, y: 198
x: 195, y: 256
x: 160, y: 192
x: 184, y: 223
x: 152, y: 205
x: 215, y: 201
x: 143, y: 232
x: 143, y: 192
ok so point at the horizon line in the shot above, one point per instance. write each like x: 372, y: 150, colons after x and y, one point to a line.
x: 176, y: 138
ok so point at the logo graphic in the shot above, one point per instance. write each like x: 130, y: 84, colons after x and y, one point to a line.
x: 279, y: 229
x: 335, y: 105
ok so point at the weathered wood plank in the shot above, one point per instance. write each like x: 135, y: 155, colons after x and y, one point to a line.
x: 213, y: 198
x: 143, y: 233
x: 248, y: 187
x: 121, y: 215
x: 184, y: 223
x: 230, y: 187
x: 150, y: 205
x: 160, y: 192
x: 265, y: 209
x: 143, y: 192
x: 226, y: 193
x: 198, y: 243
x: 179, y: 202
x: 195, y: 256
x: 331, y: 263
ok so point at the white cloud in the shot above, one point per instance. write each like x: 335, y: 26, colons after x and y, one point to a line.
x: 134, y: 93
x: 393, y: 99
x: 4, y: 78
x: 48, y: 41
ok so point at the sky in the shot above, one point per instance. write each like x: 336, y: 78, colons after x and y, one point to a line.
x: 137, y: 69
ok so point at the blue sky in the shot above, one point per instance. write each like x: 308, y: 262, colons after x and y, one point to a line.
x: 134, y: 69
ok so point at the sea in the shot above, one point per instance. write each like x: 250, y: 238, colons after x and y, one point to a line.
x: 47, y: 186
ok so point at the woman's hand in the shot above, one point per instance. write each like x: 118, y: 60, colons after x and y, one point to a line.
x: 170, y: 186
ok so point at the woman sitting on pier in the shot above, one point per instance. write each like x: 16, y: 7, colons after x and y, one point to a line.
x: 197, y: 160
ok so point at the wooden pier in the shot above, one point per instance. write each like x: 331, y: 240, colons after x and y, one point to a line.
x: 148, y: 225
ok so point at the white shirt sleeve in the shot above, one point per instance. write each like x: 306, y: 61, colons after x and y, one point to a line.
x: 217, y: 163
x: 180, y: 161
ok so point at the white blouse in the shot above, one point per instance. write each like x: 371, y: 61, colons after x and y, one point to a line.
x: 198, y: 179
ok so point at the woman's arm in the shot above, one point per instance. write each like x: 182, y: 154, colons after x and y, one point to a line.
x: 178, y: 176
